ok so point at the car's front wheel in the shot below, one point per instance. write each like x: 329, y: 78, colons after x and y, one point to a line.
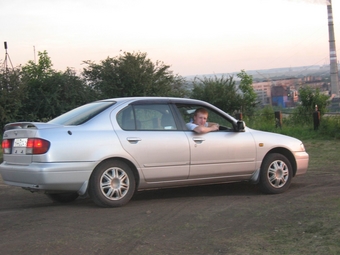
x: 112, y: 184
x: 276, y: 174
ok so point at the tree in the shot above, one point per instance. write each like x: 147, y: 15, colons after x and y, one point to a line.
x: 221, y: 92
x: 310, y: 98
x: 41, y: 70
x: 40, y: 89
x: 73, y: 91
x: 248, y: 95
x: 50, y: 93
x: 11, y: 95
x: 225, y: 94
x: 132, y: 74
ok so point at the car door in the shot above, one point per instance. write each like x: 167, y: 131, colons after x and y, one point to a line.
x: 219, y: 153
x: 150, y: 135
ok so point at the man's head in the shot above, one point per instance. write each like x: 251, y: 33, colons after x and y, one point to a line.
x: 200, y: 116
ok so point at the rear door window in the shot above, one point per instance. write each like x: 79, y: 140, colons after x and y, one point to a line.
x: 147, y: 117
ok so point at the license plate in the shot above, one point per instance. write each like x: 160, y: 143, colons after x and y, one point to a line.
x: 19, y: 146
x: 20, y: 142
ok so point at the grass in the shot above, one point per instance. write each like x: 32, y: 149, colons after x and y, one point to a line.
x: 324, y: 155
x: 314, y: 228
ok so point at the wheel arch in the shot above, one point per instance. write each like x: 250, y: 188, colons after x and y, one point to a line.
x: 285, y: 152
x: 128, y: 162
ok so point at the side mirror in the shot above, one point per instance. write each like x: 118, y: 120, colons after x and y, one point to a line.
x: 240, y: 126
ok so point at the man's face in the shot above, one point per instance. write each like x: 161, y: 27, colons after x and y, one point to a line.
x: 200, y: 119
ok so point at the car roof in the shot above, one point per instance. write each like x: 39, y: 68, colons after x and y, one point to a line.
x: 155, y: 100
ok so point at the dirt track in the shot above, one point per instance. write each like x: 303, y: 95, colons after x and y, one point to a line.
x: 219, y: 219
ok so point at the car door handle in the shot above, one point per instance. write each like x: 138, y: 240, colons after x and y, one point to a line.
x: 198, y: 139
x: 133, y: 139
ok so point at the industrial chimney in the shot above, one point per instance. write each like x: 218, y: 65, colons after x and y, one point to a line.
x: 332, y: 52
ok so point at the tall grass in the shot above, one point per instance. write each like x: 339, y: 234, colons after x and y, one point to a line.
x: 296, y: 125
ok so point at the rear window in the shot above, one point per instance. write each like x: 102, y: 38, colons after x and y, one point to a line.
x: 81, y: 114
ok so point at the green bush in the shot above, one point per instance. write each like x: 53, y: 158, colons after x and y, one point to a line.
x: 263, y: 119
x: 330, y: 126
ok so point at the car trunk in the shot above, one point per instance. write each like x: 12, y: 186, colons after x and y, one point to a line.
x: 18, y: 138
x: 17, y: 134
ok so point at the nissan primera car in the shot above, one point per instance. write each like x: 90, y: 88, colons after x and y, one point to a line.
x: 109, y: 149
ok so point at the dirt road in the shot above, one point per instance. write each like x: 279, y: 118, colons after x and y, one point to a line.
x: 219, y: 219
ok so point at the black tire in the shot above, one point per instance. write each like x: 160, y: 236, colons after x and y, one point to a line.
x: 276, y: 174
x: 63, y: 197
x: 112, y: 184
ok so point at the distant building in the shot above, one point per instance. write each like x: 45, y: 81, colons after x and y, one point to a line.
x: 280, y: 96
x: 284, y: 92
x: 263, y: 91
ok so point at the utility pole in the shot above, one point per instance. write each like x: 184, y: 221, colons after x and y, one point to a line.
x: 7, y: 58
x: 35, y: 61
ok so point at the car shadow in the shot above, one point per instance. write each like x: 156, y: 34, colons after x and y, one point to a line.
x: 216, y: 190
x: 237, y: 189
x: 23, y: 199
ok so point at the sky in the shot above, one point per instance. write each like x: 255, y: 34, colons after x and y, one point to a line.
x: 193, y: 37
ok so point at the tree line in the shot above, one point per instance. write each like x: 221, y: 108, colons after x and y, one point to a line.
x: 37, y: 92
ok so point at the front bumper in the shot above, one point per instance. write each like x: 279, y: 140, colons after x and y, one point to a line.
x: 302, y: 159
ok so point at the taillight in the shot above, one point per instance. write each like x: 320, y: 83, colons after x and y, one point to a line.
x: 37, y: 146
x: 25, y: 146
x: 6, y: 146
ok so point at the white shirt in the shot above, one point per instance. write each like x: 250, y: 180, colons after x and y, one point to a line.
x: 192, y: 126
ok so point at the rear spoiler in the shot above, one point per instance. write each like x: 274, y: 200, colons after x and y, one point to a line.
x: 29, y: 125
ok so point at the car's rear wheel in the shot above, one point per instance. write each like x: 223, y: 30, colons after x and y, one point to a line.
x: 112, y: 184
x: 276, y: 174
x: 63, y: 197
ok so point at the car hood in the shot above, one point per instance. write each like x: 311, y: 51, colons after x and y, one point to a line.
x: 270, y: 139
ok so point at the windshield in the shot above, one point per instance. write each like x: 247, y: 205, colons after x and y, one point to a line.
x: 81, y: 114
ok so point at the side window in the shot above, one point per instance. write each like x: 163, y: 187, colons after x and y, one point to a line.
x: 155, y: 117
x: 187, y: 112
x: 224, y: 123
x: 126, y: 119
x: 146, y: 117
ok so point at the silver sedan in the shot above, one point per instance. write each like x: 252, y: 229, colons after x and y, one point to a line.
x: 109, y: 149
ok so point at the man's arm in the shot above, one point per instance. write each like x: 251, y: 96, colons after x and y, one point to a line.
x: 212, y: 124
x: 209, y: 128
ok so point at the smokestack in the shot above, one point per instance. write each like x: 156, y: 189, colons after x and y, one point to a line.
x: 332, y: 52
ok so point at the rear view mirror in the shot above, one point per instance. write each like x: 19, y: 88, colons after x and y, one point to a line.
x: 241, y: 126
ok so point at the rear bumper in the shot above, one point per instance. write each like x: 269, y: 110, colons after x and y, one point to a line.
x: 66, y: 176
x: 302, y: 159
